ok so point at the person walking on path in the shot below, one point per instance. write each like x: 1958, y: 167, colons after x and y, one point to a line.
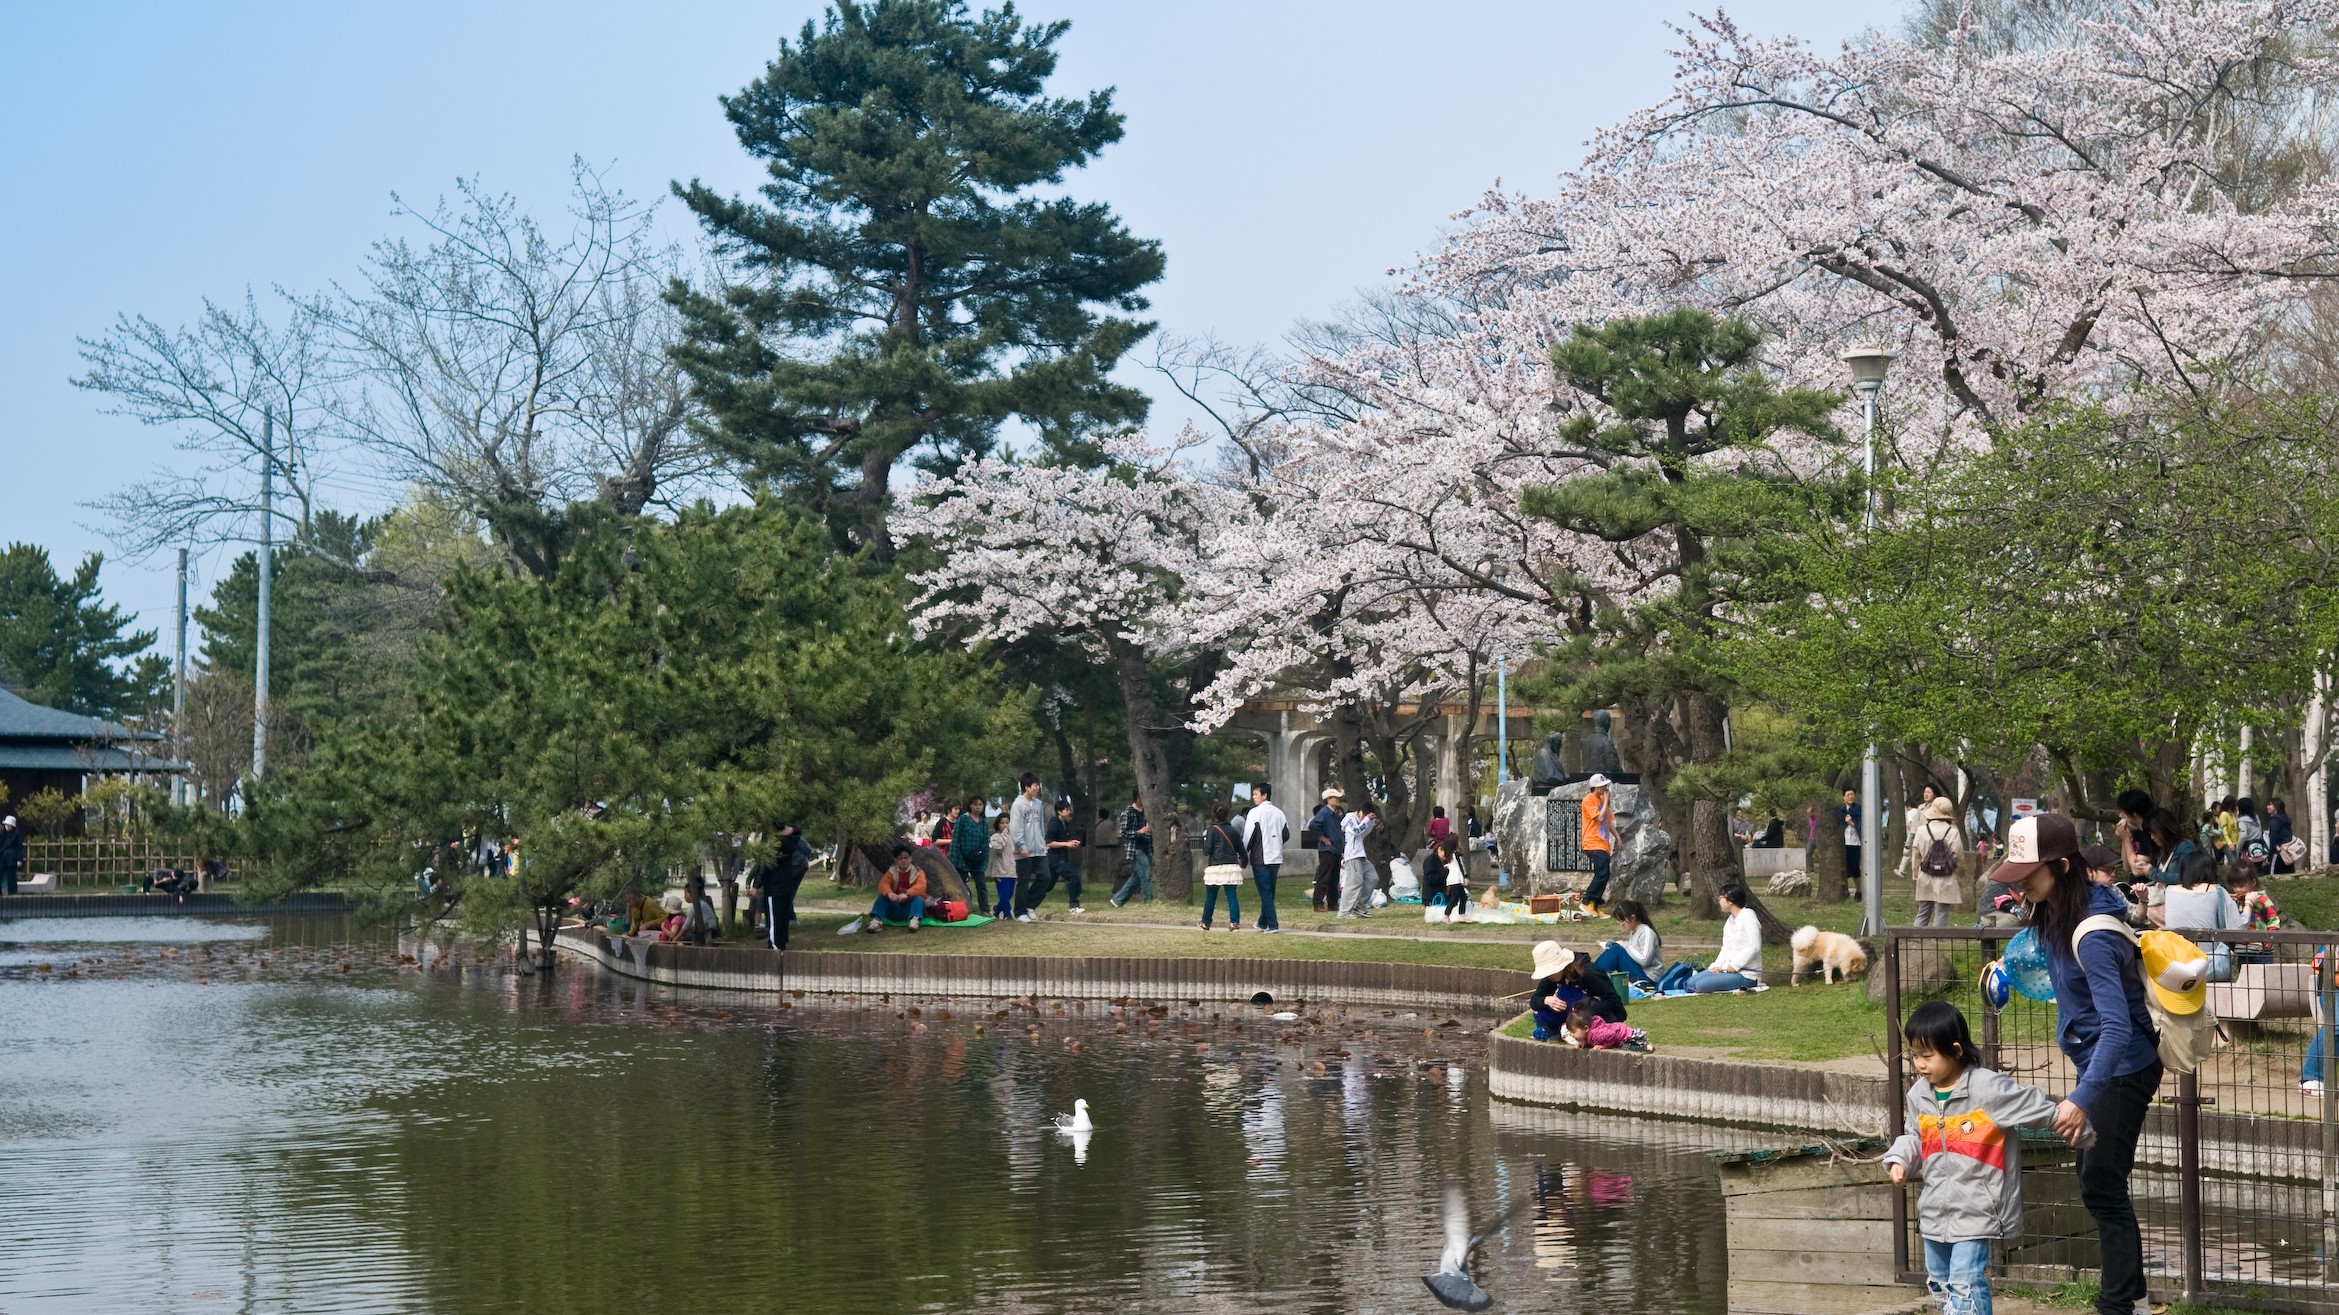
x: 1137, y: 848
x: 1027, y: 830
x: 1599, y: 837
x: 2279, y: 836
x: 791, y: 859
x: 1222, y: 847
x: 1849, y: 816
x: 1356, y: 870
x: 1001, y: 863
x: 1329, y: 845
x: 1064, y: 847
x: 1265, y: 831
x: 970, y: 851
x: 1935, y: 850
x: 2102, y: 1026
x: 11, y: 853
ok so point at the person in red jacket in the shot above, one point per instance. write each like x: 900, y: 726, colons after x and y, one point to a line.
x: 901, y: 892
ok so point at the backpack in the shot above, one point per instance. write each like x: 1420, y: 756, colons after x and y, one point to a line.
x: 2186, y: 1040
x: 1938, y: 861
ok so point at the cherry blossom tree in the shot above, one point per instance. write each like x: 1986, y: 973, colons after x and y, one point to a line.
x: 1100, y: 555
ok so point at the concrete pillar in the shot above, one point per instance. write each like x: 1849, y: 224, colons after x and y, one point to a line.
x: 2318, y: 809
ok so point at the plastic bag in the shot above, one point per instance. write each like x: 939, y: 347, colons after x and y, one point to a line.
x: 1402, y: 883
x: 849, y: 928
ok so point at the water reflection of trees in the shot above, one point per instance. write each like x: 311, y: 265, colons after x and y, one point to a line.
x: 645, y: 1154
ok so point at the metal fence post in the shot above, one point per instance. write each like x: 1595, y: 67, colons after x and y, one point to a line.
x: 2328, y: 1032
x: 2189, y: 1184
x: 1896, y: 1082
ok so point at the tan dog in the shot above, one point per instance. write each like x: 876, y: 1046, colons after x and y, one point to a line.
x: 1837, y: 957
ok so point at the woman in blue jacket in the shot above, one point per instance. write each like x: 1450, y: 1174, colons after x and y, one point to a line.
x: 2103, y: 1027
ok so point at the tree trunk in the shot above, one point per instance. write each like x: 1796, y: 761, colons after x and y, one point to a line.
x: 1707, y: 854
x: 1824, y: 860
x: 1173, y: 865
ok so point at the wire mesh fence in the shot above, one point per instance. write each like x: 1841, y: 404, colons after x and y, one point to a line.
x: 2237, y: 1174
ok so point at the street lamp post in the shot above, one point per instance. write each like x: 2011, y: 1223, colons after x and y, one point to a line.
x: 1868, y: 365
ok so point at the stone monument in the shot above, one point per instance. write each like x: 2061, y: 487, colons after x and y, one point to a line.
x: 1538, y: 836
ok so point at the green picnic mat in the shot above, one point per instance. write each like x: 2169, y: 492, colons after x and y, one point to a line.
x: 972, y: 920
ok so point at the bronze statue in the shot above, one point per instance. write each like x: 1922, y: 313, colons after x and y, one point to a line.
x: 1549, y: 770
x: 1599, y: 748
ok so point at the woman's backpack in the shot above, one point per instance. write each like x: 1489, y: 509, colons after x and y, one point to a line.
x: 2185, y: 1040
x: 1938, y: 861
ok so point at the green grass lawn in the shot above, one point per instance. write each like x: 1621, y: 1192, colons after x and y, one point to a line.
x: 1064, y: 936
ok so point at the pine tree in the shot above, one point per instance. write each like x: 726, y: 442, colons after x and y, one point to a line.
x: 904, y: 294
x: 61, y: 646
x: 1688, y: 486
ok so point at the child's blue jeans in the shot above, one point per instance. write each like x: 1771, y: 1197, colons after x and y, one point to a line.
x: 1958, y: 1276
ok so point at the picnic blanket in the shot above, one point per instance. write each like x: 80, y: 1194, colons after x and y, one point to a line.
x: 972, y: 920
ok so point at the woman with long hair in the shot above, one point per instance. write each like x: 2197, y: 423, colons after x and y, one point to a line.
x: 2103, y: 1027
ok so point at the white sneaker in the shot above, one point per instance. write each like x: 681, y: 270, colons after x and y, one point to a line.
x: 2312, y: 1086
x: 1269, y: 931
x: 874, y: 924
x: 1078, y: 910
x: 1027, y: 916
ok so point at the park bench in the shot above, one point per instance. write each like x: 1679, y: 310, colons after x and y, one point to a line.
x: 39, y: 883
x: 2261, y: 991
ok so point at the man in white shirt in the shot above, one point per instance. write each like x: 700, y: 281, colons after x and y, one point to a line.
x: 1027, y: 830
x: 1356, y: 871
x: 1265, y: 828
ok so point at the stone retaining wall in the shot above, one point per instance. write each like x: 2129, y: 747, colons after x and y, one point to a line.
x: 1479, y: 991
x: 163, y: 906
x: 1707, y: 1090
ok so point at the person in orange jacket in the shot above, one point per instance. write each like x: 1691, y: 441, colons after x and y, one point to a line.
x: 1599, y: 833
x: 901, y: 892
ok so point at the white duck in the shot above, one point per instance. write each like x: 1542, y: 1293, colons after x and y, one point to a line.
x: 1077, y: 1120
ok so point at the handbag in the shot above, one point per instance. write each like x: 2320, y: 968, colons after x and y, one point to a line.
x: 2293, y: 851
x: 1223, y: 874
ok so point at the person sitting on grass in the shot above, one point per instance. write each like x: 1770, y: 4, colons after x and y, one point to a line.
x: 171, y: 881
x: 642, y: 913
x: 901, y: 892
x: 1590, y: 1033
x: 1635, y: 956
x: 1590, y: 992
x: 699, y: 924
x: 1738, y: 965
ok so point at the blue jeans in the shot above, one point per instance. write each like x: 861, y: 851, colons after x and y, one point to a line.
x: 898, y: 910
x: 1708, y: 983
x: 1615, y: 960
x: 1140, y: 878
x: 1234, y: 911
x: 2310, y: 1069
x: 1263, y: 878
x: 1598, y: 890
x: 1006, y: 907
x: 1958, y: 1276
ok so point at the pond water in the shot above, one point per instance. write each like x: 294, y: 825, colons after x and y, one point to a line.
x: 284, y: 1116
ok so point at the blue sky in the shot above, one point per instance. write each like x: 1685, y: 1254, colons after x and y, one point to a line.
x: 1285, y: 154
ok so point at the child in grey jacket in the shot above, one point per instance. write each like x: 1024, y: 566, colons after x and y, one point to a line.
x: 1964, y: 1146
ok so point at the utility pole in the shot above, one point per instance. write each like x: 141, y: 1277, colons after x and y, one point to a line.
x: 267, y: 552
x: 179, y: 690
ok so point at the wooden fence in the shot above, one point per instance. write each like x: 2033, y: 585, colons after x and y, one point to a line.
x: 101, y: 860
